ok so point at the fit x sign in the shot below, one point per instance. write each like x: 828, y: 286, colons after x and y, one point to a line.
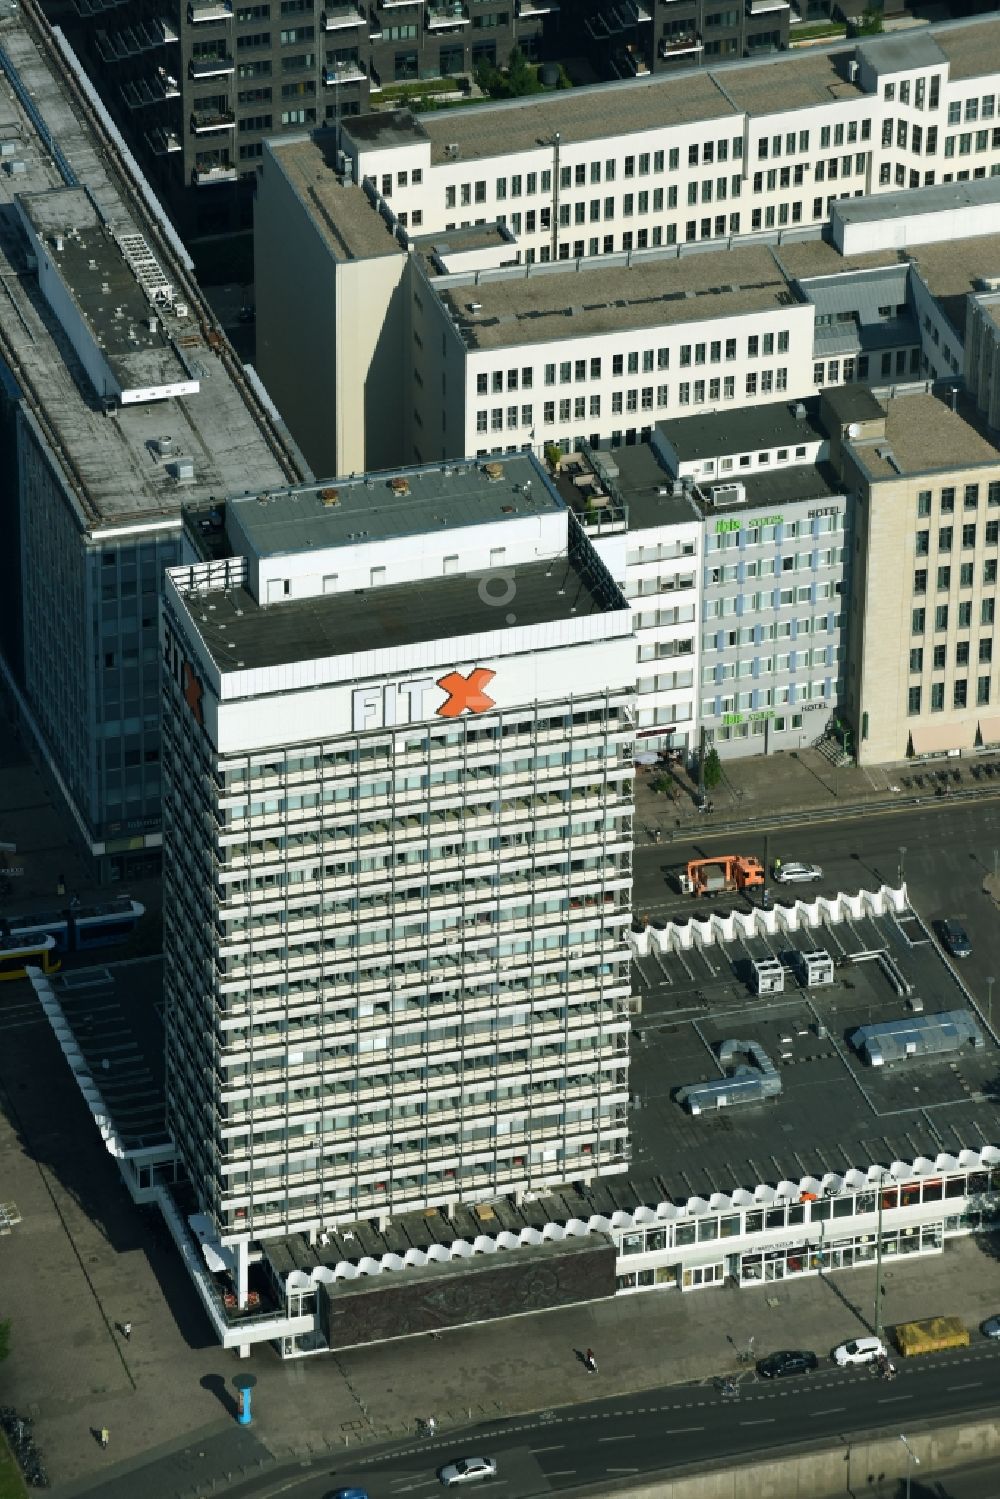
x: 451, y: 696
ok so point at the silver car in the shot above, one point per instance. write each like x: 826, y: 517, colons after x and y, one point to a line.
x: 467, y: 1470
x: 797, y: 874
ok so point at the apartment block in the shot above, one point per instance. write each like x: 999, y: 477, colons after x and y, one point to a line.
x: 198, y: 87
x: 119, y: 403
x: 401, y: 714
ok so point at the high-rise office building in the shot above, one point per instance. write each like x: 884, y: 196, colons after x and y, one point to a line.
x: 398, y: 819
x: 119, y: 401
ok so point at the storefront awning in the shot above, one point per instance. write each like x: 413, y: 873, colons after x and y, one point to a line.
x: 939, y: 738
x: 989, y: 730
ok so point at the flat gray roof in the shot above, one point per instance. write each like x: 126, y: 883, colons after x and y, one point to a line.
x: 104, y: 288
x: 815, y: 256
x: 923, y: 435
x: 239, y: 633
x: 810, y: 77
x: 972, y: 49
x: 901, y: 52
x: 953, y: 268
x: 833, y: 1112
x: 914, y: 200
x: 119, y: 476
x: 579, y: 114
x: 368, y: 508
x: 608, y: 294
x: 745, y: 430
x: 641, y: 477
x: 787, y: 484
x: 352, y: 227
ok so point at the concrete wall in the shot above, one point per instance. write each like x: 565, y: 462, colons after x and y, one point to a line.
x: 844, y: 1467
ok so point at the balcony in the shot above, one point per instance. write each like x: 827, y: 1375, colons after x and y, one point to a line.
x: 527, y: 8
x: 89, y: 9
x: 138, y: 93
x: 211, y: 67
x: 205, y: 122
x: 133, y: 41
x: 210, y: 10
x: 447, y: 17
x: 163, y: 142
x: 343, y: 17
x: 208, y: 176
x: 348, y: 70
x: 680, y: 46
x: 616, y: 20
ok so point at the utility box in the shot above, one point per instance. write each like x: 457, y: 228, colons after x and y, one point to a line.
x: 814, y: 968
x: 768, y: 977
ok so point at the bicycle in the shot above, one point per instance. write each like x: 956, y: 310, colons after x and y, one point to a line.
x: 727, y: 1387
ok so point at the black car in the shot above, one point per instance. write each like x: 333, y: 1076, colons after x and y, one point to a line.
x: 778, y: 1365
x: 954, y: 938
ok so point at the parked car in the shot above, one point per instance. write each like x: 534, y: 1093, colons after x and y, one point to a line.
x: 954, y: 938
x: 349, y: 1494
x: 791, y: 1361
x: 467, y: 1470
x: 797, y: 874
x: 991, y: 1327
x: 859, y: 1351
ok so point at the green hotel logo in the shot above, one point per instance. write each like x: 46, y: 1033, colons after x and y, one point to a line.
x: 737, y: 523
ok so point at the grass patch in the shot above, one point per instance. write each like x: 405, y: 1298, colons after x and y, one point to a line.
x: 11, y: 1482
x: 396, y: 91
x: 816, y: 32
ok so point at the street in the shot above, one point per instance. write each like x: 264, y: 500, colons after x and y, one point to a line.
x: 560, y: 1451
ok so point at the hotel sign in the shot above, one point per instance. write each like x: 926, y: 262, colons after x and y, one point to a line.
x: 737, y: 523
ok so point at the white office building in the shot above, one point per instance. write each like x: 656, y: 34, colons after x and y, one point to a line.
x: 398, y: 747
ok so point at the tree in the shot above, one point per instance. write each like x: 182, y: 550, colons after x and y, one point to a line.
x: 870, y: 22
x: 713, y: 769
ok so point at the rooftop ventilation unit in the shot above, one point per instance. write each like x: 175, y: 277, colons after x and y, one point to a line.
x: 799, y: 411
x: 728, y: 494
x: 452, y: 149
x: 183, y: 470
x: 163, y: 445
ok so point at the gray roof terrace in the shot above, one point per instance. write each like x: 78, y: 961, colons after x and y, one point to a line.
x: 352, y: 227
x: 834, y: 1111
x: 748, y: 429
x: 923, y: 435
x: 535, y: 304
x: 111, y: 466
x: 376, y: 507
x: 239, y: 634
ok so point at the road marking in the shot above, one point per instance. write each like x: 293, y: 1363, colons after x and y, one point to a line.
x: 976, y: 1384
x: 893, y: 1399
x: 536, y: 1450
x: 561, y: 1473
x: 621, y: 1470
x: 626, y: 1436
x: 679, y: 1431
x: 833, y: 1410
x: 766, y: 1421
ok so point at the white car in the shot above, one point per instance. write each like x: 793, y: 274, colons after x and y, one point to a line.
x: 467, y: 1470
x: 859, y: 1351
x: 797, y: 874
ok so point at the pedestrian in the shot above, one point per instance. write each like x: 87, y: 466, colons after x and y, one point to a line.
x: 126, y: 1330
x: 430, y: 1426
x: 590, y: 1361
x: 105, y: 1434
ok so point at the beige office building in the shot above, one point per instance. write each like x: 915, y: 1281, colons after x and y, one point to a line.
x: 922, y: 678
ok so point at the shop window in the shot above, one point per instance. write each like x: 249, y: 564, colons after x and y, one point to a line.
x: 843, y: 1207
x: 684, y: 1234
x: 708, y: 1228
x: 631, y: 1243
x: 754, y: 1222
x: 774, y: 1218
x: 933, y: 1191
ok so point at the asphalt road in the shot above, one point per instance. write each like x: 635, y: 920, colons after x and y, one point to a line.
x: 559, y: 1451
x: 947, y: 850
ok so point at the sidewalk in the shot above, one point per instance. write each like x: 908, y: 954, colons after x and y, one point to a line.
x: 774, y: 786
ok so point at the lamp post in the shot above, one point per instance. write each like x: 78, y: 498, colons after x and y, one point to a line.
x: 878, y: 1258
x: 902, y: 862
x: 990, y: 981
x: 911, y: 1458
